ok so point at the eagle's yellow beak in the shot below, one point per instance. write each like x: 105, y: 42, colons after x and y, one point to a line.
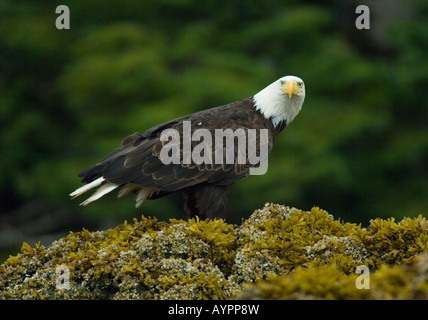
x: 291, y: 88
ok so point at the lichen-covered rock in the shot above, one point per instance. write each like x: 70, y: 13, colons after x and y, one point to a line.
x: 277, y: 253
x: 405, y: 281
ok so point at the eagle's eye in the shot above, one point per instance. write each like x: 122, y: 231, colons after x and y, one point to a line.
x: 282, y: 82
x: 300, y: 84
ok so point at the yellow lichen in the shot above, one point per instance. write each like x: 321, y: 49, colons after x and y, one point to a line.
x: 277, y: 253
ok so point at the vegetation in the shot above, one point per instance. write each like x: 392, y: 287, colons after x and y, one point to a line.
x: 277, y: 253
x: 359, y: 146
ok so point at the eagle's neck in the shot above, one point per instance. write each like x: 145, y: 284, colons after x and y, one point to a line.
x: 277, y: 107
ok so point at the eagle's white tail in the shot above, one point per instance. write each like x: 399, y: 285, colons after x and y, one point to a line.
x: 142, y: 193
x: 104, y: 189
x: 86, y: 187
x: 142, y: 196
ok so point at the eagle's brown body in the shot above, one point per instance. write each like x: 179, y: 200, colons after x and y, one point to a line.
x: 138, y: 166
x: 205, y: 186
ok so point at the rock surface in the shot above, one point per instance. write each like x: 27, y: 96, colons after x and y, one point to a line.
x: 277, y: 253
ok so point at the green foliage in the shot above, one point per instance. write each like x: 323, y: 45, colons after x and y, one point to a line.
x: 277, y: 253
x: 359, y: 146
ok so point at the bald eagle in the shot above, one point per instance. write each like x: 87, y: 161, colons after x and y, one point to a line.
x: 138, y: 167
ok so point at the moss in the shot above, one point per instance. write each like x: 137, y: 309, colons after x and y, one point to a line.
x: 391, y: 242
x: 277, y: 253
x: 325, y: 282
x: 408, y: 281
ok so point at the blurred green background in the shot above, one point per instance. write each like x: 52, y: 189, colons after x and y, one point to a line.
x: 358, y: 149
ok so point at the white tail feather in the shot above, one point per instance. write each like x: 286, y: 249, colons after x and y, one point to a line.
x: 127, y: 189
x: 104, y: 189
x: 142, y: 195
x: 87, y: 187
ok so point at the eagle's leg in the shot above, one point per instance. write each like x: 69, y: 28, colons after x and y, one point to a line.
x: 206, y: 201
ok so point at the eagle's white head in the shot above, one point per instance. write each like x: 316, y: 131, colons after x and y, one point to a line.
x: 281, y: 100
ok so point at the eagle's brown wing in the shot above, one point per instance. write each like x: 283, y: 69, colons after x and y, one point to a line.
x: 137, y: 166
x: 138, y: 160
